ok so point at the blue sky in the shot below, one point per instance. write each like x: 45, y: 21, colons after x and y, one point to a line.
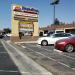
x: 65, y: 11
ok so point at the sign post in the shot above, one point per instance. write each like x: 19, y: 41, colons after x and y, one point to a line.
x: 54, y: 3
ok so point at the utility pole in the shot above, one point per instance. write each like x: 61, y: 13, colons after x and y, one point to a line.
x: 54, y: 3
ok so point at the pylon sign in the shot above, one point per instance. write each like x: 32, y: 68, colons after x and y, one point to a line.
x: 24, y: 19
x: 25, y: 13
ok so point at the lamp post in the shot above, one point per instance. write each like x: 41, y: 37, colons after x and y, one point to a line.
x: 54, y: 3
x: 54, y: 15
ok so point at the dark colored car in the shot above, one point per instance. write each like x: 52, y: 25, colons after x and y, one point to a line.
x: 1, y: 36
x: 67, y: 44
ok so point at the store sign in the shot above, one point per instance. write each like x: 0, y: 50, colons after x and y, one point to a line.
x: 25, y: 30
x: 25, y: 9
x: 26, y: 25
x: 17, y: 8
x: 22, y: 18
x: 30, y: 10
x: 24, y: 13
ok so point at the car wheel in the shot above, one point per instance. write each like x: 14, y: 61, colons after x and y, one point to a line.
x: 69, y: 48
x: 44, y: 43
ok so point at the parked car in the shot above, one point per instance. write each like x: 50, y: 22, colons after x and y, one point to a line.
x: 52, y: 38
x: 1, y: 36
x: 67, y: 44
x: 44, y: 34
x: 8, y: 35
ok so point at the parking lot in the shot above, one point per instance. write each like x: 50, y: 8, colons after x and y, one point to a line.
x: 54, y: 61
x: 7, y: 66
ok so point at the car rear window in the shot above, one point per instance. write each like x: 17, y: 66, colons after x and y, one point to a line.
x: 61, y: 35
x: 57, y: 35
x: 66, y: 35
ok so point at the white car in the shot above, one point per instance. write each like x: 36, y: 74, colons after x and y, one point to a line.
x: 44, y: 34
x: 8, y: 35
x: 52, y: 38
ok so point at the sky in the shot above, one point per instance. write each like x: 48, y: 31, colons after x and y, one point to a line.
x: 65, y: 11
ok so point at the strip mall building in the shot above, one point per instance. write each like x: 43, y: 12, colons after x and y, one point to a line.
x: 68, y: 28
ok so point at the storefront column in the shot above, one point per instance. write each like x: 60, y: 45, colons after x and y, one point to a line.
x: 15, y: 28
x: 36, y: 29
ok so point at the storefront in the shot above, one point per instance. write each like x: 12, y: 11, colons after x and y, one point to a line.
x: 67, y: 28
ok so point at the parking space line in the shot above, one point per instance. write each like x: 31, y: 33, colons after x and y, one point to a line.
x: 23, y: 72
x: 63, y: 54
x: 69, y: 57
x: 32, y: 45
x: 3, y: 52
x: 23, y: 46
x: 50, y: 58
x: 8, y: 71
x: 12, y: 71
x: 60, y: 52
x: 73, y: 68
x: 38, y: 46
x: 41, y: 69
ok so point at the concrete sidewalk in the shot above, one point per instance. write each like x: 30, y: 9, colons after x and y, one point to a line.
x: 25, y: 39
x: 8, y: 41
x: 26, y: 42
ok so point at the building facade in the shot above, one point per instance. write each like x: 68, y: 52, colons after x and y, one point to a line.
x: 68, y: 28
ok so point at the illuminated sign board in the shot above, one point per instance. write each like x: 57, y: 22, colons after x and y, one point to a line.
x: 30, y: 10
x: 25, y: 9
x: 24, y: 13
x: 26, y: 25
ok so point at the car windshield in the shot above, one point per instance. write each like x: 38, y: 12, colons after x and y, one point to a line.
x: 50, y: 33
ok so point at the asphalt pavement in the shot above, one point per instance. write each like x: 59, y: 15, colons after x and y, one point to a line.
x: 25, y: 65
x: 49, y: 61
x: 7, y: 66
x: 59, y: 63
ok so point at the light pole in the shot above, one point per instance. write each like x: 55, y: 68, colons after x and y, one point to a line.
x: 54, y: 3
x: 54, y: 15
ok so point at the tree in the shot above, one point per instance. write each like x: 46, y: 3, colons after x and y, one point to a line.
x: 73, y: 22
x: 56, y: 22
x: 7, y: 30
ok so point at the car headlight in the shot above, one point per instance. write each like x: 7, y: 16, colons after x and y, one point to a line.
x: 61, y: 43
